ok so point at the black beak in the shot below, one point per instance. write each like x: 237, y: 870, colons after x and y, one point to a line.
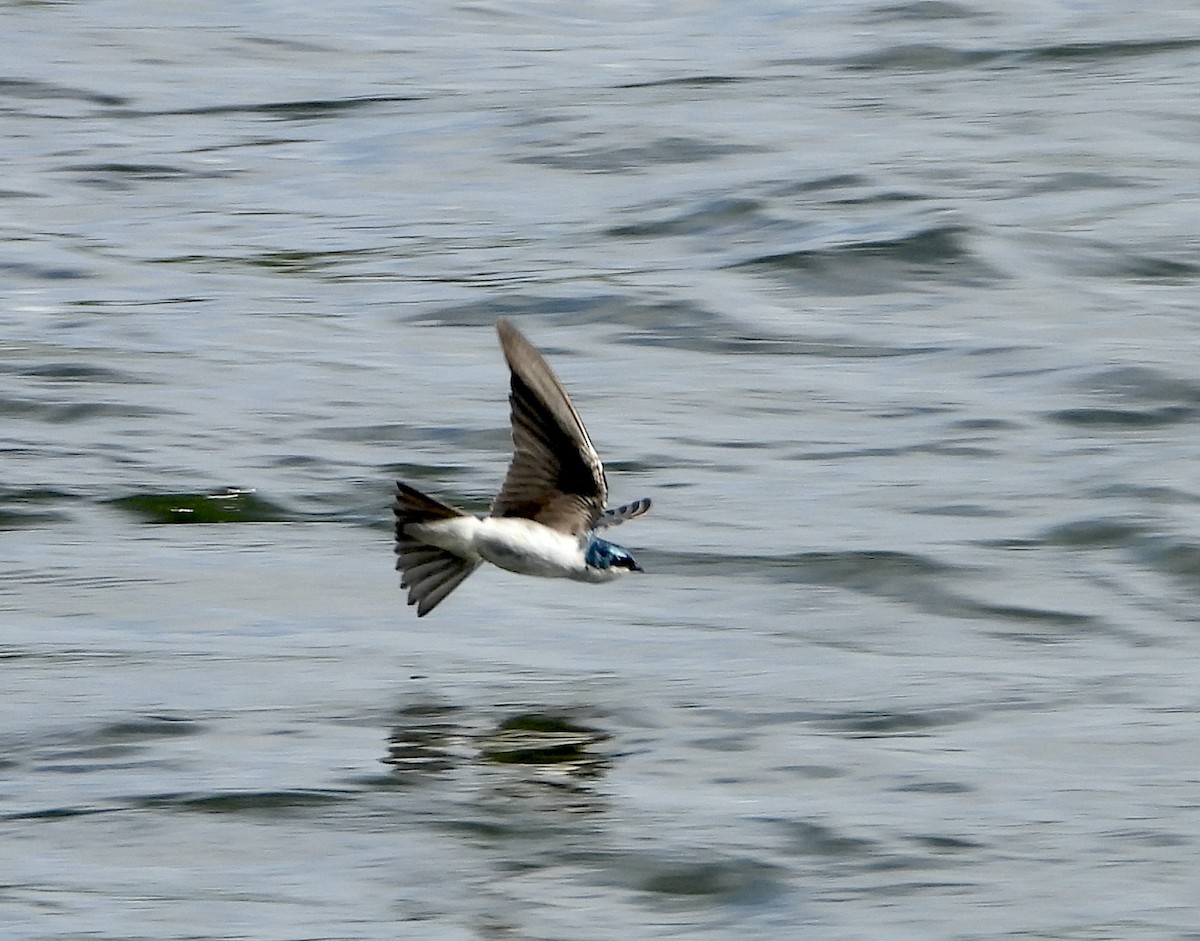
x: 634, y: 567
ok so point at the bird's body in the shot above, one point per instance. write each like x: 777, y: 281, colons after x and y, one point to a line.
x: 518, y: 545
x: 544, y: 519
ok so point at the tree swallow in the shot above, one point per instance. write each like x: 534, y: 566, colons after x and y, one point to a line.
x: 544, y: 519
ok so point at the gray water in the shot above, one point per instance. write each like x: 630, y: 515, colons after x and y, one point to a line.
x: 891, y: 309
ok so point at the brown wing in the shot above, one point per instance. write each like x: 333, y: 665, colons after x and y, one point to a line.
x: 555, y: 477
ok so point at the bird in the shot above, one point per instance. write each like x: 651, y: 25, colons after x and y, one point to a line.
x: 545, y: 518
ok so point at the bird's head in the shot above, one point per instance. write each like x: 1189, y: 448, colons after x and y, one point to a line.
x: 604, y: 555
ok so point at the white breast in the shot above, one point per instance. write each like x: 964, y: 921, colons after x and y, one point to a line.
x: 529, y: 548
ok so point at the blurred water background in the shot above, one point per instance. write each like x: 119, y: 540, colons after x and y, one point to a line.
x: 891, y: 307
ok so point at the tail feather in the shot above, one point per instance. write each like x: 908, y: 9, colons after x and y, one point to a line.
x: 429, y: 573
x: 412, y: 506
x: 620, y: 514
x: 430, y: 589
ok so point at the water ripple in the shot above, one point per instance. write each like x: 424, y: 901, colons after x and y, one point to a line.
x: 937, y: 57
x: 874, y: 264
x: 624, y: 158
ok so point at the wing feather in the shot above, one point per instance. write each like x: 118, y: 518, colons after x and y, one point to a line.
x: 555, y: 477
x: 619, y: 514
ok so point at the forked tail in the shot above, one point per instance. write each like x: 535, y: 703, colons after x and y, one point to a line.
x: 429, y: 573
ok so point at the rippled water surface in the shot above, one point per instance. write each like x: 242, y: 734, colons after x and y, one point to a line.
x: 890, y: 307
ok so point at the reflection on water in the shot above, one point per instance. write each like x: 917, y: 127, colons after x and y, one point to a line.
x: 538, y: 751
x: 870, y: 298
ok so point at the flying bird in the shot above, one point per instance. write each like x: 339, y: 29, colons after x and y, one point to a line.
x: 545, y: 517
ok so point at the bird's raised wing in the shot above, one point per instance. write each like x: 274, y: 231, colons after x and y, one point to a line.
x: 555, y: 477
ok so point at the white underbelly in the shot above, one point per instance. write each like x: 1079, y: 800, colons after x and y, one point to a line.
x: 529, y: 548
x: 455, y: 535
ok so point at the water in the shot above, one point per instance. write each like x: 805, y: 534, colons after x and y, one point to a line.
x: 889, y: 307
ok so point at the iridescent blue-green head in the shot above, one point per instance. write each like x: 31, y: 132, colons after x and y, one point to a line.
x: 602, y: 554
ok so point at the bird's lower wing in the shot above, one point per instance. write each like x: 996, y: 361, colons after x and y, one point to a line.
x: 619, y: 514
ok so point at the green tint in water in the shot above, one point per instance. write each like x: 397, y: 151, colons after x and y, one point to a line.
x: 228, y: 506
